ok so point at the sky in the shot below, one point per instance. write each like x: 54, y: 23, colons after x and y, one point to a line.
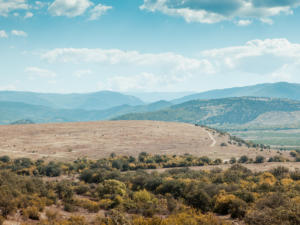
x: 78, y: 46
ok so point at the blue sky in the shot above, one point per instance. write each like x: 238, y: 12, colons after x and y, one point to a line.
x: 147, y: 45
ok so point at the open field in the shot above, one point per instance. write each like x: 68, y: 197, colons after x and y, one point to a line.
x: 94, y: 140
x: 276, y: 138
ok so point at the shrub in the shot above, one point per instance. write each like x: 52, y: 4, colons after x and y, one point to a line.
x: 230, y: 204
x: 232, y: 160
x: 259, y: 159
x: 31, y: 213
x: 5, y: 159
x: 293, y: 154
x: 243, y: 159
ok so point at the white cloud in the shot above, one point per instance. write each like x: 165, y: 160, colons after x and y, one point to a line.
x: 98, y: 11
x: 274, y: 58
x: 39, y: 72
x: 256, y: 60
x: 28, y: 15
x: 125, y: 69
x: 267, y: 21
x: 19, y: 33
x: 69, y: 8
x: 277, y: 47
x: 244, y: 22
x: 3, y: 34
x: 8, y: 6
x: 172, y: 61
x: 215, y: 11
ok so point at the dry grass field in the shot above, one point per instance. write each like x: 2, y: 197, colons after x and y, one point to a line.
x: 94, y: 140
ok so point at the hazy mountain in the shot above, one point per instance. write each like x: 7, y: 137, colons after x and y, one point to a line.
x: 21, y: 113
x: 158, y: 96
x: 23, y: 121
x: 90, y: 101
x: 219, y: 111
x: 274, y: 90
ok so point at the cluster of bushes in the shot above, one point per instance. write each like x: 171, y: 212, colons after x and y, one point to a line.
x: 296, y: 155
x: 175, y: 196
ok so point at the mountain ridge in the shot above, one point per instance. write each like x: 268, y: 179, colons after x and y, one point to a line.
x: 272, y: 90
x: 87, y: 101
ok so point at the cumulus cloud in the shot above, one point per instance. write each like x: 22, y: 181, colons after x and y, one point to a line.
x: 3, y: 34
x: 39, y: 72
x: 69, y: 8
x: 268, y: 60
x: 115, y: 56
x: 244, y: 22
x: 124, y: 69
x: 277, y: 58
x: 7, y: 6
x: 98, y: 11
x: 28, y: 15
x: 213, y: 11
x: 19, y: 33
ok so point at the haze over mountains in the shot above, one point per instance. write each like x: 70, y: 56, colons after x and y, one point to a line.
x: 89, y: 101
x: 104, y: 105
x: 272, y: 90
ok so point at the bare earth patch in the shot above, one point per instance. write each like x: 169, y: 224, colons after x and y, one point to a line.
x: 94, y: 140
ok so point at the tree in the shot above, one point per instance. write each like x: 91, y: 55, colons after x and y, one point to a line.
x: 243, y: 159
x: 259, y: 159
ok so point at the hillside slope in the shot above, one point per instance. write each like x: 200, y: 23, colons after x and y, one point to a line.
x: 235, y: 111
x: 272, y: 90
x: 69, y: 141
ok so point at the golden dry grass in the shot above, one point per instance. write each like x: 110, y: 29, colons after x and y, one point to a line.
x: 94, y: 140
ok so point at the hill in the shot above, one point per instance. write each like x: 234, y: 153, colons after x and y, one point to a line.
x: 272, y: 90
x: 234, y: 111
x: 90, y: 101
x: 69, y: 141
x: 158, y: 96
x: 16, y: 112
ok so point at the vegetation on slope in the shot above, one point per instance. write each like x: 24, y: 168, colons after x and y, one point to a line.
x: 218, y: 111
x: 178, y: 196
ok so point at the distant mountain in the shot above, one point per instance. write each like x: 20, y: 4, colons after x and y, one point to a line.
x: 231, y: 111
x: 15, y: 112
x: 90, y: 101
x: 273, y: 90
x: 24, y: 121
x: 158, y: 96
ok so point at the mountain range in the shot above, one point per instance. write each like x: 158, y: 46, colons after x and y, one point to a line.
x: 226, y: 106
x: 88, y: 101
x: 226, y: 111
x: 271, y: 90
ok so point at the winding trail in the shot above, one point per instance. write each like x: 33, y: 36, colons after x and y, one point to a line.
x: 214, y: 142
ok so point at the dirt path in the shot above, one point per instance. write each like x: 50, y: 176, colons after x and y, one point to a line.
x: 214, y: 142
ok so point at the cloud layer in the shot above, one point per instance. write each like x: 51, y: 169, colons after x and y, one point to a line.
x: 214, y: 11
x: 69, y: 8
x: 269, y: 59
x: 8, y: 6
